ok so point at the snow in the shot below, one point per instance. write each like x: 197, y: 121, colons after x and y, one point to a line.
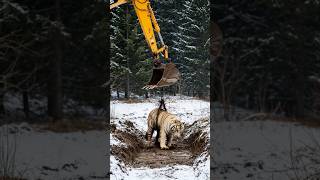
x: 68, y: 155
x: 115, y: 141
x: 117, y: 167
x: 191, y: 47
x: 315, y: 78
x: 38, y: 105
x: 191, y: 59
x: 16, y: 6
x: 196, y: 26
x: 257, y: 149
x: 12, y: 102
x: 179, y: 172
x: 201, y: 168
x: 188, y: 109
x: 262, y: 149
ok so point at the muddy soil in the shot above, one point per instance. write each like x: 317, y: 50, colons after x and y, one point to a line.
x: 155, y: 157
x: 134, y: 153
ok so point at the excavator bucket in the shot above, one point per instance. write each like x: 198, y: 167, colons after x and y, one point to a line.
x: 164, y: 75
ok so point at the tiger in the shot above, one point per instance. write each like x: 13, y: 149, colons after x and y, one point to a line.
x: 167, y: 125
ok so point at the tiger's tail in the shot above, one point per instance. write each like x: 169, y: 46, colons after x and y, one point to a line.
x: 162, y: 107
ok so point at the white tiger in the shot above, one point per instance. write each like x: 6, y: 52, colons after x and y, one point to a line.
x: 168, y: 126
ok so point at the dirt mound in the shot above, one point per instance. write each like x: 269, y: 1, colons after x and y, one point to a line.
x: 134, y: 153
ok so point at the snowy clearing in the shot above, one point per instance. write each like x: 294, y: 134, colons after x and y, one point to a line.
x: 265, y: 150
x: 131, y: 119
x: 52, y: 156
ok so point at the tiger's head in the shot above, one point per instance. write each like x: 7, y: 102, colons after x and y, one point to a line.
x: 177, y: 129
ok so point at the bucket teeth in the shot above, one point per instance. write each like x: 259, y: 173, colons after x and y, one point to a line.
x: 167, y: 75
x: 148, y: 87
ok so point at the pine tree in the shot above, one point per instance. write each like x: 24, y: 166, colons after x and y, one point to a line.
x: 129, y: 51
x: 192, y: 46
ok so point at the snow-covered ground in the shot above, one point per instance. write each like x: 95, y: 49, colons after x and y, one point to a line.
x: 52, y: 156
x: 242, y: 149
x: 188, y: 109
x: 265, y: 150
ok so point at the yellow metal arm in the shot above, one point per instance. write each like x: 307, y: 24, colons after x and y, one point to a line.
x: 118, y: 3
x: 148, y: 25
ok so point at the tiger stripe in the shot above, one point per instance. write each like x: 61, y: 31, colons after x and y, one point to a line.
x: 167, y: 126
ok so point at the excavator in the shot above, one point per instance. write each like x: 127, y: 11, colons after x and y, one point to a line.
x: 164, y: 72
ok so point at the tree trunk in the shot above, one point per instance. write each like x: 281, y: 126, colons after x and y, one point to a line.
x: 200, y: 94
x: 26, y: 108
x: 118, y: 94
x: 247, y: 101
x: 212, y: 94
x: 299, y: 97
x: 127, y: 91
x: 55, y: 74
x: 2, y: 109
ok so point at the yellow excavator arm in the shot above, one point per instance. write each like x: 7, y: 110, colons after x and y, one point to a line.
x: 163, y: 74
x: 149, y: 25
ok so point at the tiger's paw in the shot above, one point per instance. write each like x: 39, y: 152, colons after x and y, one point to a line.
x: 164, y: 147
x: 148, y: 144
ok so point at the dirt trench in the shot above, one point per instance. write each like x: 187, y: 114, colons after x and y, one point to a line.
x: 134, y: 153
